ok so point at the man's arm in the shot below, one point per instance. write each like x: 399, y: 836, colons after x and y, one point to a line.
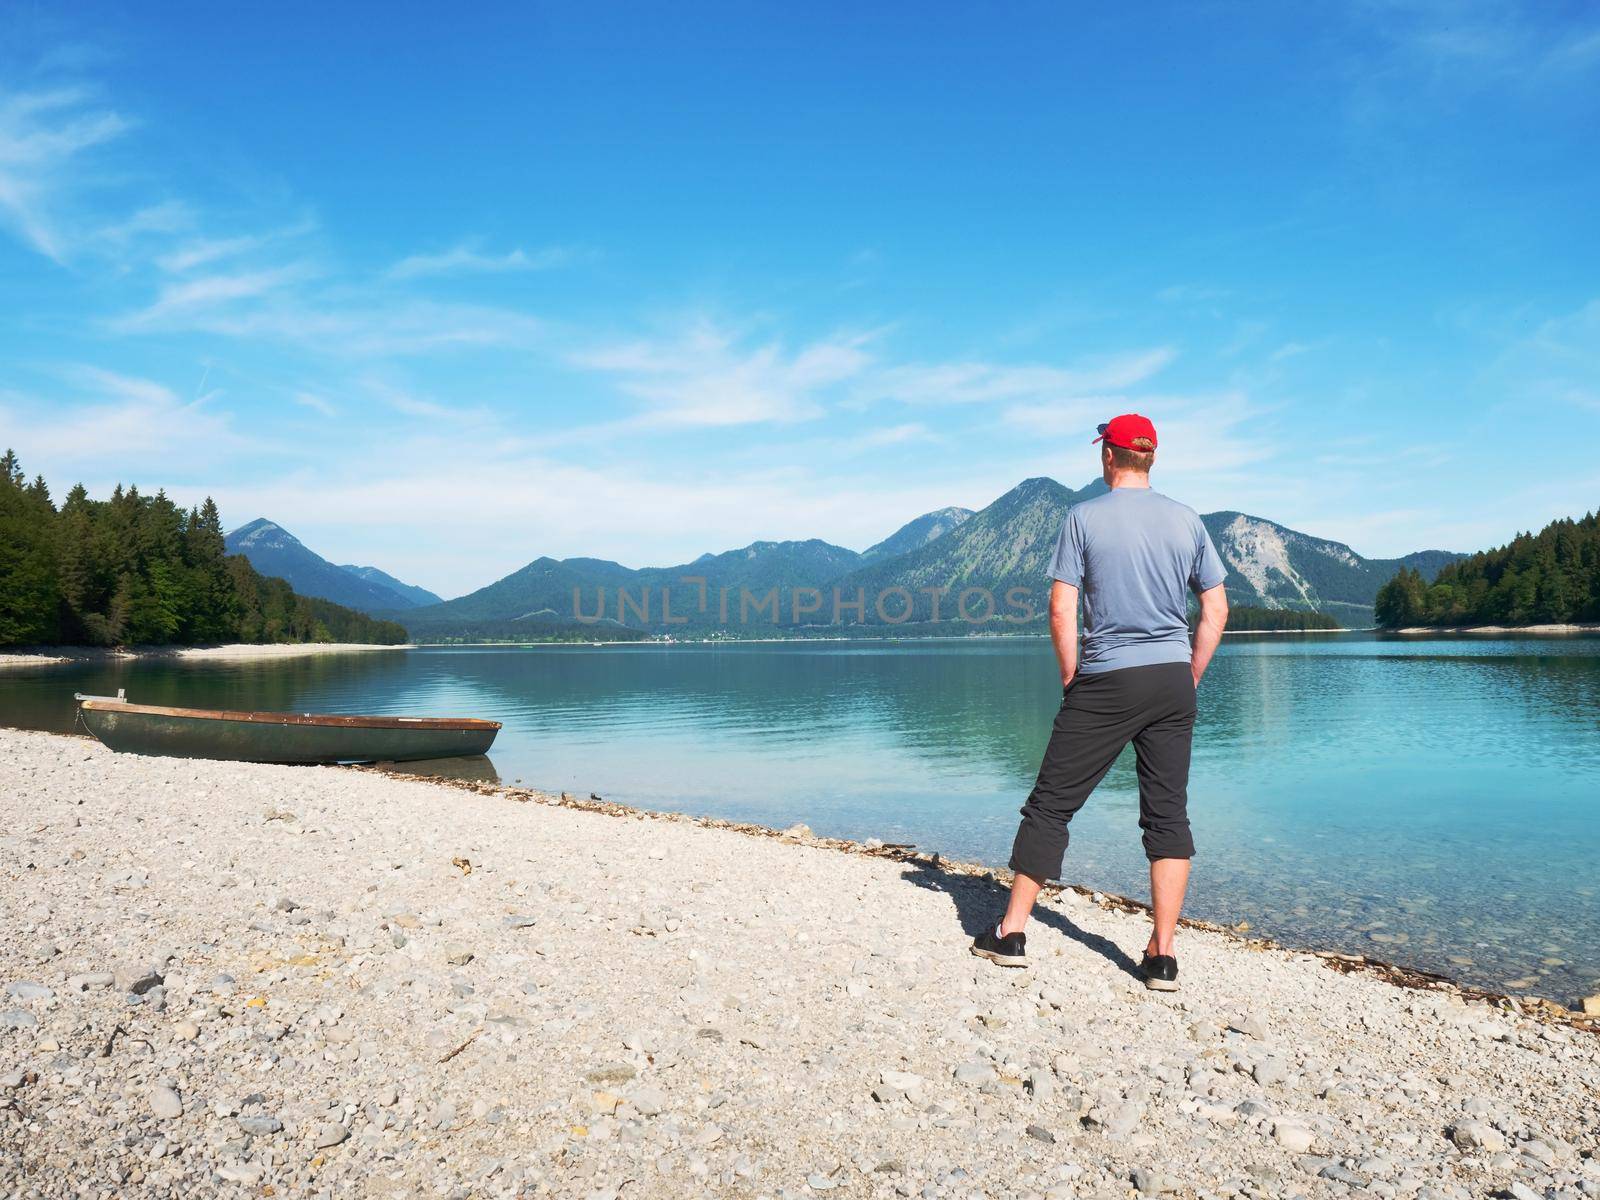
x: 1064, y: 628
x: 1213, y: 618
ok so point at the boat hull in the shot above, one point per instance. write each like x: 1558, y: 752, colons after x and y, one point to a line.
x: 282, y: 737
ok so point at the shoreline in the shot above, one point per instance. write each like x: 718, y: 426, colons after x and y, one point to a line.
x: 218, y: 978
x: 44, y: 656
x: 1397, y: 974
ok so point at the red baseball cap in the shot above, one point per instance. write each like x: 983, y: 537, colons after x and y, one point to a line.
x: 1120, y: 431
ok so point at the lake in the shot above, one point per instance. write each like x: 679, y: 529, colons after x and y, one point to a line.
x: 1430, y: 801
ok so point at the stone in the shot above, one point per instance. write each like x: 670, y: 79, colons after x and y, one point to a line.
x: 18, y: 1018
x: 1122, y: 1121
x: 1041, y: 1084
x: 260, y: 1126
x: 974, y: 1074
x: 649, y: 1101
x: 1270, y: 1071
x: 90, y: 979
x: 165, y: 1103
x: 330, y: 1133
x: 1152, y: 1183
x: 186, y: 1031
x: 1591, y: 1005
x: 521, y: 921
x: 1251, y: 1026
x: 1293, y: 1137
x: 240, y: 1172
x: 25, y: 989
x: 388, y: 1095
x: 1040, y: 1133
x: 137, y: 980
x: 458, y: 956
x: 1476, y: 1135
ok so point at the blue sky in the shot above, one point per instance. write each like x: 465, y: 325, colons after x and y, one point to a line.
x: 447, y: 291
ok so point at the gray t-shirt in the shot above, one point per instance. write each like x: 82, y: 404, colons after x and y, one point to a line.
x: 1134, y: 554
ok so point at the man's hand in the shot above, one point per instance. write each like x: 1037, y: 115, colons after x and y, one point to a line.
x: 1208, y: 634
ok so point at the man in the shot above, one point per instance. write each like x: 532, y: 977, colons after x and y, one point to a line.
x: 1133, y: 555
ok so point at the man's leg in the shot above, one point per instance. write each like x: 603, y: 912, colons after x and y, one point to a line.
x: 1090, y: 731
x: 1169, y: 879
x: 1024, y: 891
x: 1163, y: 749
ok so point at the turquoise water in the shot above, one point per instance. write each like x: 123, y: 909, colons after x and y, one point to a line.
x: 1433, y: 802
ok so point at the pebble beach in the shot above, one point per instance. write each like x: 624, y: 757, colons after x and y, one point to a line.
x: 222, y: 979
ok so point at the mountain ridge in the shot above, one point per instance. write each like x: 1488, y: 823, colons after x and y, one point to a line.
x: 274, y: 551
x: 1002, y: 549
x: 410, y: 591
x: 917, y: 532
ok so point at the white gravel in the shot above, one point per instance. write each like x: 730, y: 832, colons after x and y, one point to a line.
x: 219, y: 978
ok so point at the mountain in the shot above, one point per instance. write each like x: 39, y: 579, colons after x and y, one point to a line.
x: 1273, y: 566
x: 545, y: 586
x: 276, y: 552
x: 417, y: 596
x: 916, y: 533
x: 763, y: 565
x: 952, y: 567
x: 597, y: 587
x: 1006, y: 545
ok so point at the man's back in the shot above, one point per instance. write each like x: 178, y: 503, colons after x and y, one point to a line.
x: 1135, y: 555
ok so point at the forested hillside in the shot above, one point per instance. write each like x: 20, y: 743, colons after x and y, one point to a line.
x: 138, y: 569
x: 1547, y: 578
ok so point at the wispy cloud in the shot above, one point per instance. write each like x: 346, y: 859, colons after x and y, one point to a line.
x: 1557, y: 363
x: 42, y: 137
x: 104, y: 420
x: 315, y: 403
x: 467, y: 260
x: 988, y: 382
x: 894, y: 435
x: 1491, y: 41
x: 210, y: 294
x: 203, y: 251
x: 1066, y: 417
x: 707, y: 377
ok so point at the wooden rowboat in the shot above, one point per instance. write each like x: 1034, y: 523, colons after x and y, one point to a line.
x: 276, y: 737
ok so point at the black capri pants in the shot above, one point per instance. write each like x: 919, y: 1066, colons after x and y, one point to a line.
x: 1151, y: 706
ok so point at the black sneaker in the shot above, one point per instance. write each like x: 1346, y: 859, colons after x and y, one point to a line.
x: 1008, y: 951
x: 1160, y: 972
